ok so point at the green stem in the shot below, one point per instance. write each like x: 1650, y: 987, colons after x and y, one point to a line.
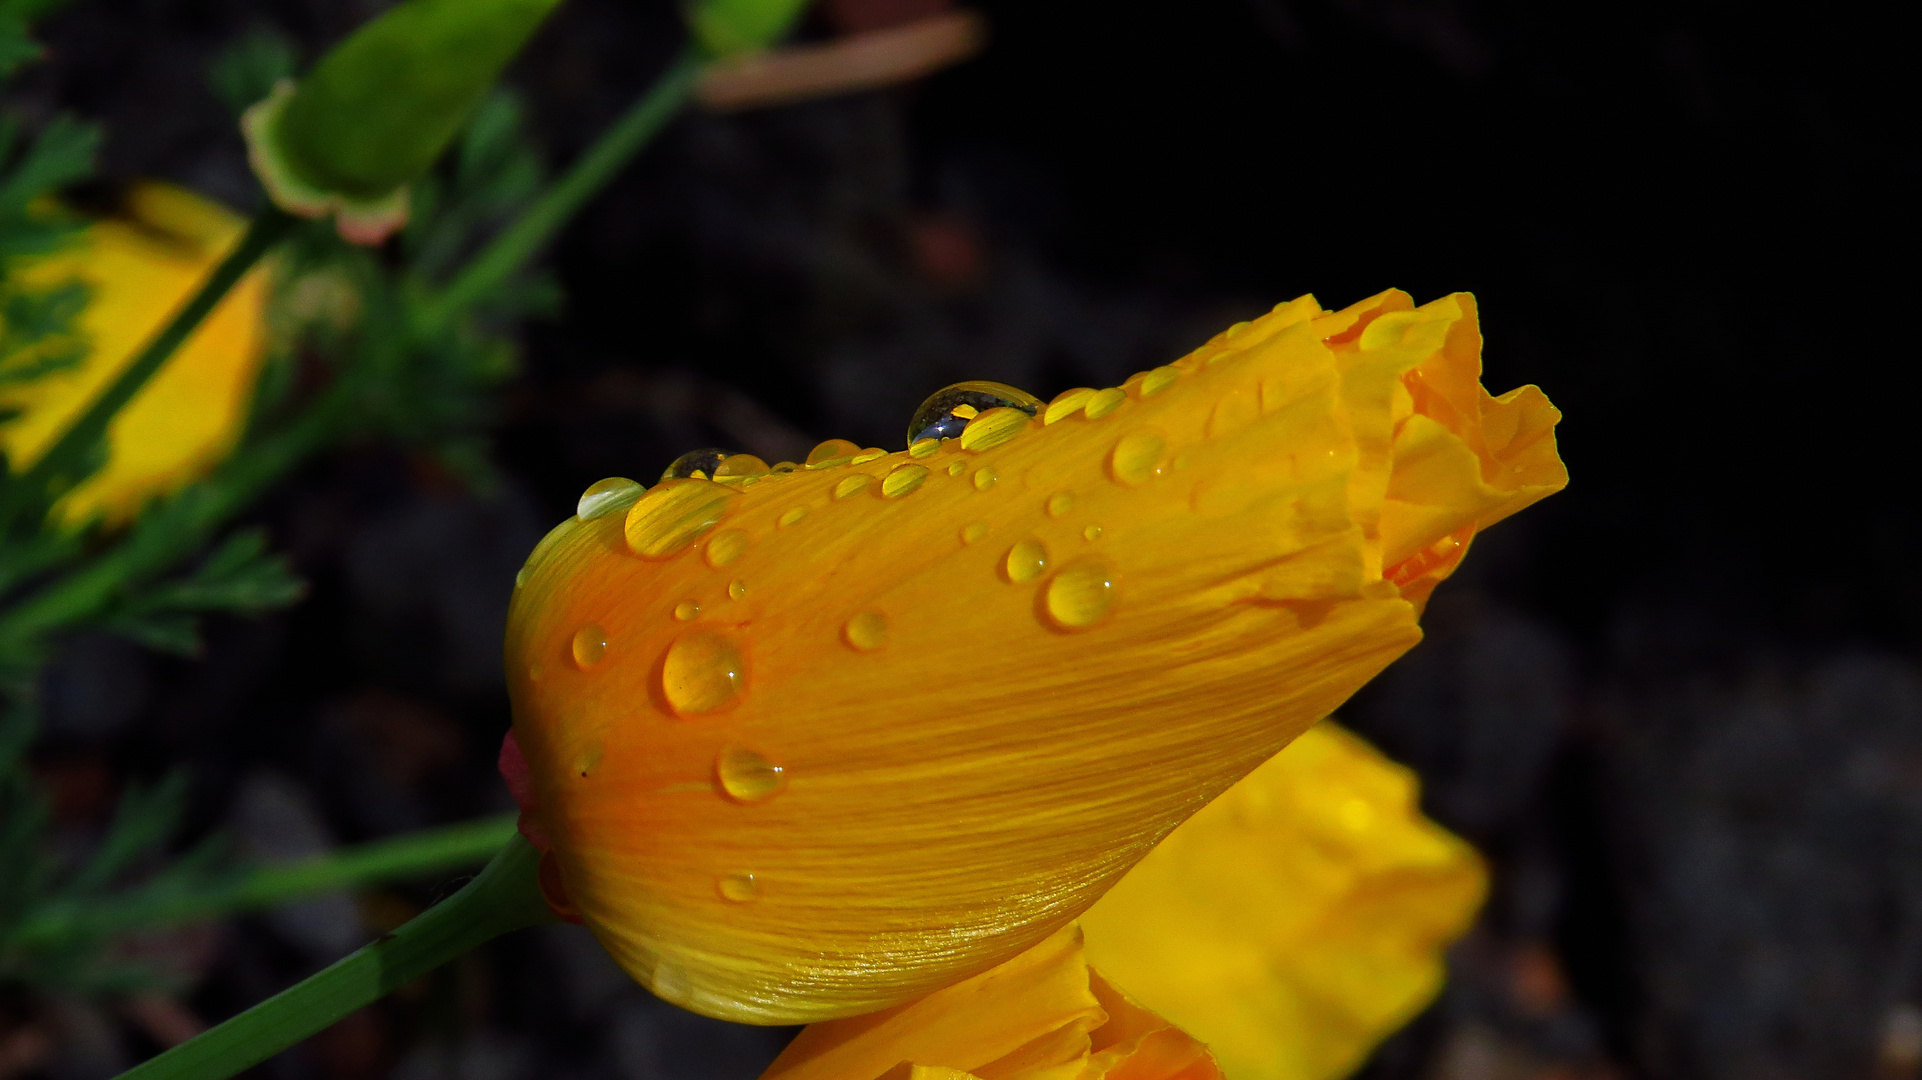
x: 412, y: 855
x: 514, y: 246
x: 504, y: 897
x: 61, y: 464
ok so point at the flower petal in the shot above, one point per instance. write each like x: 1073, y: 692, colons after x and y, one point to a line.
x: 1298, y: 919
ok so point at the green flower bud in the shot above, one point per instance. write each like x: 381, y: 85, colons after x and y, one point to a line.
x: 727, y: 27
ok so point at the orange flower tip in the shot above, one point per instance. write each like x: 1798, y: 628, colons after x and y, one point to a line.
x: 934, y: 703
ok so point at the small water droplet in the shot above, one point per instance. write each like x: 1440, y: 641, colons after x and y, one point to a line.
x: 904, y: 480
x: 1026, y: 560
x: 852, y: 484
x: 949, y: 411
x: 956, y: 468
x: 1159, y: 379
x: 589, y: 645
x: 699, y: 464
x: 973, y: 533
x: 924, y: 448
x: 1105, y: 401
x: 1060, y: 503
x: 831, y: 450
x: 1092, y: 532
x: 737, y: 589
x: 867, y: 631
x: 870, y: 454
x: 673, y: 515
x: 793, y: 515
x: 740, y: 888
x: 603, y: 497
x: 782, y: 467
x: 746, y: 776
x: 1066, y: 404
x: 727, y: 546
x: 1235, y: 330
x: 994, y: 427
x: 687, y: 611
x: 1081, y: 594
x: 703, y: 672
x: 1137, y: 457
x: 984, y: 477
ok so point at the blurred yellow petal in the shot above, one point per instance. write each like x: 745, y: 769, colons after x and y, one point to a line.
x: 189, y: 416
x: 1044, y: 1015
x: 1298, y: 919
x: 819, y: 742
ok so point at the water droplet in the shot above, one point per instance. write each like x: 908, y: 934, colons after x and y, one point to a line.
x: 867, y: 631
x: 994, y: 427
x: 870, y: 454
x: 741, y: 465
x: 673, y: 515
x: 949, y: 411
x: 699, y: 464
x: 737, y: 589
x: 1026, y: 560
x: 603, y: 497
x: 793, y: 515
x: 852, y: 484
x: 727, y: 546
x: 1159, y: 379
x: 782, y: 467
x: 1137, y: 457
x: 1066, y: 404
x: 1091, y: 533
x: 589, y: 645
x: 984, y: 477
x: 904, y: 480
x: 1081, y: 593
x: 1060, y: 503
x: 703, y: 672
x: 1235, y: 330
x: 687, y: 611
x: 740, y: 888
x: 973, y: 533
x: 956, y: 468
x: 924, y: 448
x: 746, y: 776
x: 831, y: 450
x: 1105, y: 401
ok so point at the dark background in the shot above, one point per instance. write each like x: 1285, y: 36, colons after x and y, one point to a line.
x: 1678, y: 705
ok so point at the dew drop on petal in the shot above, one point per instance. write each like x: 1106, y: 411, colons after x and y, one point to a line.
x: 851, y: 485
x: 687, y: 611
x: 993, y: 428
x: 1137, y: 457
x: 673, y: 515
x: 924, y: 448
x: 1103, y: 402
x: 1060, y: 503
x: 699, y: 464
x: 1066, y: 404
x: 588, y: 646
x: 740, y: 888
x: 746, y: 776
x: 1159, y: 379
x: 782, y: 467
x: 949, y: 411
x: 1026, y: 560
x: 870, y: 454
x: 603, y: 497
x: 985, y: 477
x: 727, y: 546
x: 1092, y: 532
x: 703, y: 672
x: 740, y: 465
x: 1081, y: 593
x: 793, y: 515
x: 737, y: 589
x: 867, y: 631
x: 904, y: 480
x: 1235, y: 330
x: 973, y: 533
x: 831, y: 450
x: 956, y: 468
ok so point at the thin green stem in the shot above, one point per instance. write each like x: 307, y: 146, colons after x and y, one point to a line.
x: 60, y: 466
x: 514, y: 246
x: 506, y: 896
x: 412, y: 855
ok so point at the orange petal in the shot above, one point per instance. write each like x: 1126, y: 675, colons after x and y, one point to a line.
x: 1298, y: 919
x: 919, y: 712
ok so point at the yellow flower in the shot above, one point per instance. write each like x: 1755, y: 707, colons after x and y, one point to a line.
x: 188, y: 417
x: 1286, y: 928
x: 819, y: 741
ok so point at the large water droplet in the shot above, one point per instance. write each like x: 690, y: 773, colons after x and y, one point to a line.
x: 1060, y: 503
x: 746, y: 776
x: 985, y: 477
x: 703, y: 672
x: 1066, y: 404
x: 867, y: 631
x: 740, y: 888
x: 832, y: 450
x: 950, y: 410
x: 588, y: 646
x: 994, y: 427
x: 852, y: 484
x: 603, y: 497
x: 727, y: 546
x: 687, y: 611
x: 1137, y: 457
x: 699, y: 464
x: 1081, y: 594
x: 1026, y: 560
x: 903, y: 480
x: 673, y: 515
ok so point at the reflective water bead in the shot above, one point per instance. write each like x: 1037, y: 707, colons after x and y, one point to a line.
x: 1026, y: 560
x: 746, y: 776
x: 673, y: 515
x: 687, y: 611
x: 1103, y: 402
x: 867, y: 631
x: 588, y: 646
x: 872, y: 453
x: 737, y: 589
x: 948, y: 411
x: 831, y: 450
x: 793, y: 515
x: 727, y: 546
x: 1235, y: 330
x: 782, y: 467
x: 739, y: 888
x: 973, y: 533
x: 924, y: 448
x: 703, y: 672
x: 904, y: 480
x: 1066, y: 404
x: 741, y: 465
x: 1137, y: 457
x: 1081, y: 594
x: 1159, y: 379
x: 1060, y: 503
x: 603, y: 497
x: 956, y: 468
x: 994, y: 427
x: 852, y: 484
x: 984, y: 477
x: 699, y: 464
x: 1091, y: 533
